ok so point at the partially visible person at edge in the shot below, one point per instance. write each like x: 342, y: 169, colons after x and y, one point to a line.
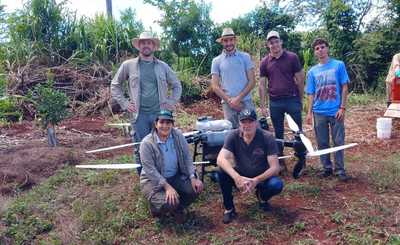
x: 232, y: 77
x: 393, y: 73
x: 327, y: 90
x: 285, y: 76
x: 168, y: 179
x: 249, y: 161
x: 148, y: 82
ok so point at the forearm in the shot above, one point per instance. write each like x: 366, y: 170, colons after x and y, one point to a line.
x: 273, y: 171
x: 250, y: 85
x: 299, y: 78
x: 217, y: 89
x: 262, y: 91
x: 300, y: 87
x: 226, y: 166
x: 345, y: 92
x: 310, y: 103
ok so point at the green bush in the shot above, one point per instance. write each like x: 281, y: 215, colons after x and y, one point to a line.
x: 51, y: 104
x: 9, y: 110
x: 191, y: 90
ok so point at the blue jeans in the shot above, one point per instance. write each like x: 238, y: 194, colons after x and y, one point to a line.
x: 232, y: 115
x: 278, y: 108
x: 322, y: 125
x: 141, y: 127
x: 267, y: 189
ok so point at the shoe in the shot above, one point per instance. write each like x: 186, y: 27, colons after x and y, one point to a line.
x: 326, y: 173
x: 265, y: 206
x: 343, y: 177
x: 298, y: 169
x: 229, y: 216
x: 179, y: 216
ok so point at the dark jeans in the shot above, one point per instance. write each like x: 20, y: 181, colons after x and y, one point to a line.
x: 322, y: 124
x: 141, y: 127
x: 267, y: 189
x: 278, y: 108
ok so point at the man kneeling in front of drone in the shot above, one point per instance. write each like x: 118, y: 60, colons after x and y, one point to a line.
x: 249, y: 161
x: 168, y: 177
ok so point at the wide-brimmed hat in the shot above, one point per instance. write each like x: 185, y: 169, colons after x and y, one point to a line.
x: 226, y: 32
x: 165, y: 114
x: 247, y: 114
x: 146, y: 35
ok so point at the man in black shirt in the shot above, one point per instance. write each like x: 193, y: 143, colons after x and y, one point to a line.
x: 248, y: 160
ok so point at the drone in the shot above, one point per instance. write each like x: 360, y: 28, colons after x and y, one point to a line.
x: 211, y: 141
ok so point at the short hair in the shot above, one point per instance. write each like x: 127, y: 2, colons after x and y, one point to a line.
x: 319, y: 41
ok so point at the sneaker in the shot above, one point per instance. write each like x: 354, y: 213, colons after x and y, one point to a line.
x: 298, y: 169
x: 343, y: 177
x: 326, y: 173
x: 229, y: 216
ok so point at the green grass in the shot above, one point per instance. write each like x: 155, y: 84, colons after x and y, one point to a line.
x: 387, y: 175
x: 366, y: 99
x: 303, y: 189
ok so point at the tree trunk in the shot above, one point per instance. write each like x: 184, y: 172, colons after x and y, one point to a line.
x: 51, y: 135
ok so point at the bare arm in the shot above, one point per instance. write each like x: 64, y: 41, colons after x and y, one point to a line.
x: 273, y: 169
x: 252, y: 83
x: 299, y: 77
x: 225, y: 160
x: 217, y: 89
x: 309, y: 108
x: 262, y: 91
x: 345, y: 93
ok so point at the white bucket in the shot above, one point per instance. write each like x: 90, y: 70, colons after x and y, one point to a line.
x: 383, y: 128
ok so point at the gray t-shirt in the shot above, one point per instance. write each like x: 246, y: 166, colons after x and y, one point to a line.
x: 251, y: 160
x: 232, y: 70
x: 149, y: 99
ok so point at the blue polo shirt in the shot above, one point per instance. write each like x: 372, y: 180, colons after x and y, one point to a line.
x: 169, y: 154
x: 325, y: 81
x: 232, y: 70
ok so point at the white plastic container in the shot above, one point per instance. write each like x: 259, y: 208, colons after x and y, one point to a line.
x: 384, y: 128
x: 213, y: 125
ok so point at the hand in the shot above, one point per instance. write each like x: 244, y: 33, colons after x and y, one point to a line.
x: 264, y: 112
x: 309, y: 118
x: 197, y: 185
x: 235, y: 103
x: 166, y: 106
x: 340, y: 114
x: 131, y: 107
x: 251, y: 185
x: 171, y: 196
x: 242, y: 183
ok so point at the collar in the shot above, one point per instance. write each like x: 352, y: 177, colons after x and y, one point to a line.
x: 159, y: 141
x: 270, y: 57
x: 234, y: 53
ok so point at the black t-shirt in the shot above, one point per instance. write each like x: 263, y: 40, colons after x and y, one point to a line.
x: 251, y: 160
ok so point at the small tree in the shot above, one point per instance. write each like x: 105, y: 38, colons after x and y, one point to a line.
x: 51, y: 106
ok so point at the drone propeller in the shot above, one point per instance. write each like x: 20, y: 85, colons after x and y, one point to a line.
x: 307, y: 142
x: 110, y: 166
x: 113, y: 147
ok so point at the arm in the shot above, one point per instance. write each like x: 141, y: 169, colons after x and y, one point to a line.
x: 272, y: 171
x: 341, y: 112
x: 262, y: 91
x: 148, y: 164
x: 225, y: 161
x: 299, y: 77
x: 309, y: 108
x: 217, y: 89
x: 252, y: 83
x: 175, y: 85
x: 116, y: 87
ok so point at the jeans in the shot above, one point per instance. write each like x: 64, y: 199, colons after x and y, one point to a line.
x: 141, y: 127
x: 232, y: 115
x: 278, y: 108
x: 267, y: 189
x: 322, y: 124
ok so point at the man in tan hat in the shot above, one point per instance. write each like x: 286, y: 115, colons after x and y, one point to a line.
x: 232, y: 77
x: 148, y: 82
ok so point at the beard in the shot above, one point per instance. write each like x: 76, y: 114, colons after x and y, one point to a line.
x: 146, y: 52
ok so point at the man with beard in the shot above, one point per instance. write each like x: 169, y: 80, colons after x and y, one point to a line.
x: 148, y: 82
x: 327, y: 89
x: 232, y: 77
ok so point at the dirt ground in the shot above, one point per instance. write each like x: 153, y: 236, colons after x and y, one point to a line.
x: 26, y: 160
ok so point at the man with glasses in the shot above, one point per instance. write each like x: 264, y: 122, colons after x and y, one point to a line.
x: 285, y: 76
x: 327, y: 89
